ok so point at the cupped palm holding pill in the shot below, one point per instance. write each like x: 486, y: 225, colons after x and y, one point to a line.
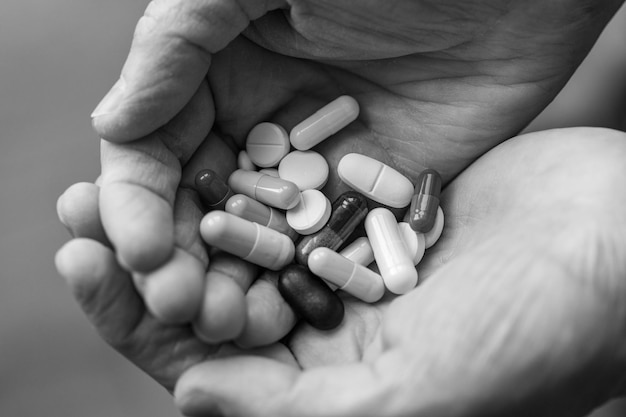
x: 419, y: 110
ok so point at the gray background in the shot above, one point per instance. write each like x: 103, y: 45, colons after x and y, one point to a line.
x: 57, y: 58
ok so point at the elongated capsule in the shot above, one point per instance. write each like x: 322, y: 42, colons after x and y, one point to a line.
x: 376, y: 180
x: 348, y: 211
x: 425, y: 201
x: 248, y: 208
x: 212, y: 189
x: 359, y: 251
x: 310, y: 297
x: 347, y: 275
x: 269, y: 190
x: 250, y: 241
x: 323, y: 123
x: 392, y: 258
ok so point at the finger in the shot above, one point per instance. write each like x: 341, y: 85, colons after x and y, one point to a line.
x: 101, y: 287
x: 139, y: 182
x: 77, y: 209
x: 169, y: 56
x: 173, y: 291
x: 254, y: 386
x: 222, y: 315
x: 269, y: 317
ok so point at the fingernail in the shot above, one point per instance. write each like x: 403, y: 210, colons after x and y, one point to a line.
x: 111, y: 101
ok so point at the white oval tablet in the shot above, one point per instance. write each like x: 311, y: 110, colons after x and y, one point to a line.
x: 415, y: 242
x: 267, y: 143
x: 311, y: 214
x: 244, y: 161
x: 376, y: 180
x: 432, y: 236
x: 307, y: 169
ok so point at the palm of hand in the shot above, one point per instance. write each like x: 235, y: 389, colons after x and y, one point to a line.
x: 404, y: 122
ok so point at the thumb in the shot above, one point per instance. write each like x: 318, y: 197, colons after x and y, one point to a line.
x: 169, y: 56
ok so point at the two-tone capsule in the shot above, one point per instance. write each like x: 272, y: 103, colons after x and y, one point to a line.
x: 212, y: 190
x: 425, y: 201
x: 346, y: 275
x: 248, y: 208
x: 348, y: 211
x: 269, y: 190
x: 250, y: 241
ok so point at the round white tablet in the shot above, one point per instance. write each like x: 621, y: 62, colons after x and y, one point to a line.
x: 311, y: 213
x: 307, y: 169
x: 414, y: 242
x: 267, y: 143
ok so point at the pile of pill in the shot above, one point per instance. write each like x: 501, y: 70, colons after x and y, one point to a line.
x: 278, y: 218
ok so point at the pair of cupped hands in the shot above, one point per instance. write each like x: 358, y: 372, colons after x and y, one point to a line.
x: 520, y: 307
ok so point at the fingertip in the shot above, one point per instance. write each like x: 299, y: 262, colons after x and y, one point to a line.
x: 222, y: 315
x: 173, y: 292
x: 82, y: 263
x: 77, y: 209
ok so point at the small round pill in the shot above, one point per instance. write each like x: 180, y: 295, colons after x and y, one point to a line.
x: 311, y: 213
x: 267, y: 143
x: 307, y: 169
x: 310, y: 297
x: 272, y: 172
x: 325, y: 122
x: 376, y: 180
x: 432, y: 236
x: 244, y: 161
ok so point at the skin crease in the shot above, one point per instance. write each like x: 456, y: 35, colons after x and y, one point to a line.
x: 461, y: 90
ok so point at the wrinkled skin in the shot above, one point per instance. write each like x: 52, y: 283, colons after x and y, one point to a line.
x: 518, y: 313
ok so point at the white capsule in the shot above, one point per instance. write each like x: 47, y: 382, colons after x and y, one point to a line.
x: 375, y: 180
x: 311, y: 213
x: 414, y: 242
x: 433, y: 235
x: 359, y: 251
x: 323, y: 123
x: 266, y: 144
x: 250, y: 241
x: 307, y: 169
x: 347, y: 275
x: 394, y: 263
x: 272, y: 172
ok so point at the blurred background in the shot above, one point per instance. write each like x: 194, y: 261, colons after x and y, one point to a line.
x: 57, y: 59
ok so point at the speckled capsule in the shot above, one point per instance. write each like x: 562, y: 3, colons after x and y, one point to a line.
x: 212, y: 190
x: 310, y: 297
x: 348, y: 211
x: 425, y: 201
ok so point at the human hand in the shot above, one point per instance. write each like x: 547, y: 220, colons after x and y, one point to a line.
x: 521, y: 311
x: 438, y: 86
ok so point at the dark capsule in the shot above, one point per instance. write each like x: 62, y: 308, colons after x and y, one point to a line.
x: 212, y: 190
x: 310, y: 297
x: 348, y: 211
x: 425, y: 201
